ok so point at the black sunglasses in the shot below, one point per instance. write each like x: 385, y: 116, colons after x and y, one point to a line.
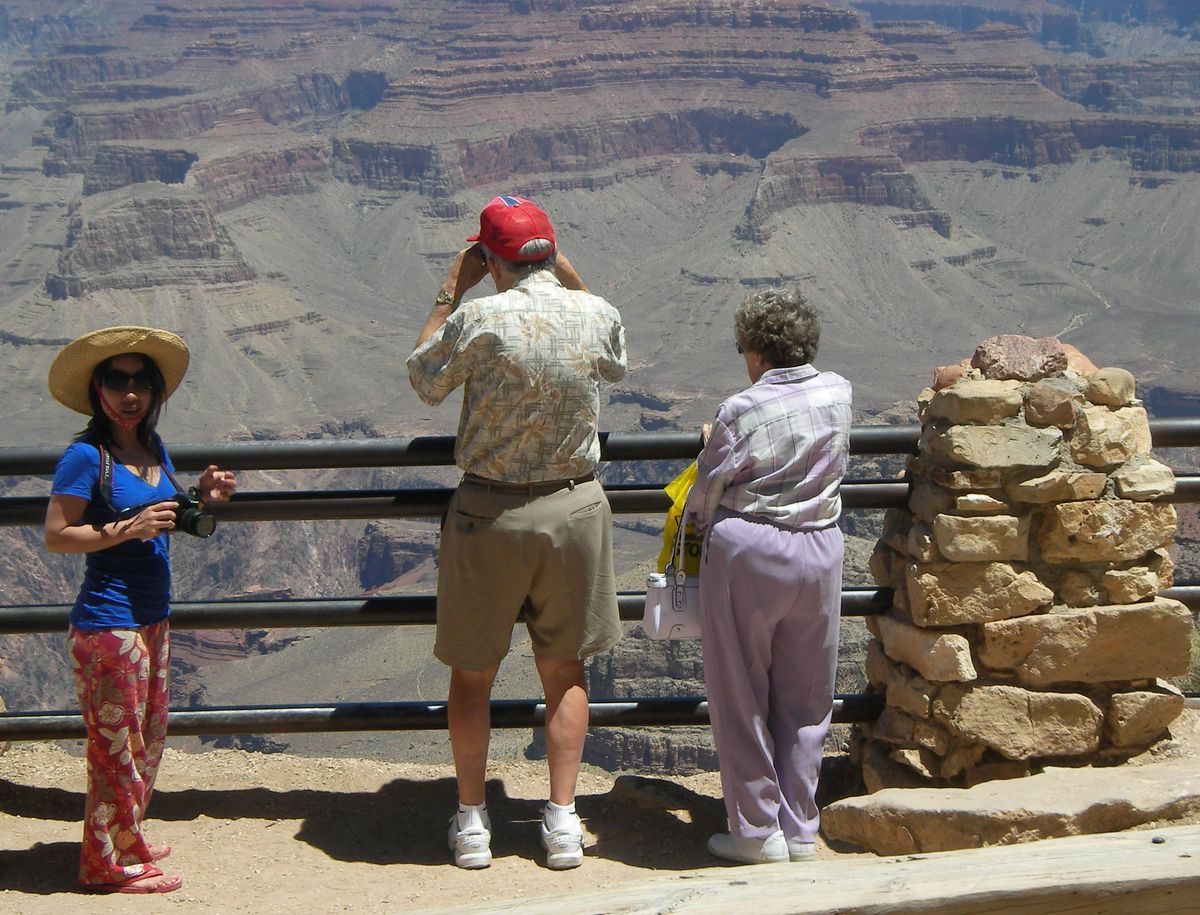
x: 116, y: 380
x: 739, y: 348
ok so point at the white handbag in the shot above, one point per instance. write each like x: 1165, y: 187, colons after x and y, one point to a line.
x: 673, y: 600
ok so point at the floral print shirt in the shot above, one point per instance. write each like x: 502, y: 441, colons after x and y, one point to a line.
x: 531, y: 360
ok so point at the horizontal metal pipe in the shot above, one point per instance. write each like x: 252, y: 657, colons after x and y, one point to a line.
x: 1182, y: 432
x: 398, y: 610
x: 438, y: 450
x: 325, y: 505
x: 308, y: 454
x: 1186, y: 592
x: 404, y: 716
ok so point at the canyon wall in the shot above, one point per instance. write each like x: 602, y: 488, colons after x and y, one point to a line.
x: 867, y: 179
x: 1029, y: 144
x: 146, y: 242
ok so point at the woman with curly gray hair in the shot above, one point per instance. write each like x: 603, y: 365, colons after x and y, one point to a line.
x: 767, y: 494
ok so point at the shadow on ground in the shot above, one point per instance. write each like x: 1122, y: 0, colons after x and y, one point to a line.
x: 42, y: 869
x: 642, y: 822
x: 647, y: 822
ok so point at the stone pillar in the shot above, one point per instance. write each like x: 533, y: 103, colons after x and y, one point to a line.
x: 1026, y: 628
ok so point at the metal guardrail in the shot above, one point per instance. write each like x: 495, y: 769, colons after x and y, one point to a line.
x: 296, y: 613
x: 436, y: 450
x: 439, y: 451
x: 414, y: 716
x: 326, y: 505
x: 420, y: 609
x: 398, y: 610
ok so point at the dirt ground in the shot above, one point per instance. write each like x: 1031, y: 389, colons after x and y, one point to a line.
x: 252, y: 831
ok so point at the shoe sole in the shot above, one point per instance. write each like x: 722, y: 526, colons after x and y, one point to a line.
x: 474, y: 860
x: 563, y: 860
x: 733, y: 860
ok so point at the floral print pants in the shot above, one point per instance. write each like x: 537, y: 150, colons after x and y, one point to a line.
x: 121, y: 678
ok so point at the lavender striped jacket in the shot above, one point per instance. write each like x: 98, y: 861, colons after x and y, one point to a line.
x: 779, y: 450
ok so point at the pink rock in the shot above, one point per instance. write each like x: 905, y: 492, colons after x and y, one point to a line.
x: 1077, y: 361
x: 946, y: 375
x: 1022, y: 358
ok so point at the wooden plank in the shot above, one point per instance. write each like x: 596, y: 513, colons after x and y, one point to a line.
x: 1129, y: 873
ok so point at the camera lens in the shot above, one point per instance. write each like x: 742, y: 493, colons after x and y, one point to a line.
x: 196, y: 522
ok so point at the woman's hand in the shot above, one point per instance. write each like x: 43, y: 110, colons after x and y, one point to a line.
x: 150, y: 521
x: 705, y: 433
x: 216, y: 485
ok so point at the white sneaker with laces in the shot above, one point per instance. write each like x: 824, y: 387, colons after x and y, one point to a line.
x: 472, y: 846
x: 564, y: 846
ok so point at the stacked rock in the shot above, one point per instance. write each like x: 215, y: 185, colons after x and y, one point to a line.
x: 1026, y: 627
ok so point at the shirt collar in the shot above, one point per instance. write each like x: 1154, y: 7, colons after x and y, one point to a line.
x: 545, y: 275
x: 786, y: 375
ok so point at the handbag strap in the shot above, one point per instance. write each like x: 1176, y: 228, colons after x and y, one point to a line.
x: 677, y: 558
x: 676, y: 562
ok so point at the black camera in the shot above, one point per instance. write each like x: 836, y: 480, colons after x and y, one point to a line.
x: 189, y: 516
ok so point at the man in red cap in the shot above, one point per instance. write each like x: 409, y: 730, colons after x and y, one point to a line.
x: 528, y: 527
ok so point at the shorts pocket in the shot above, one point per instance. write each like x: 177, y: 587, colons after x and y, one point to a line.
x: 586, y: 511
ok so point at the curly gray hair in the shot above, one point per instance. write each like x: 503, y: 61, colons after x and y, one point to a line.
x: 780, y: 325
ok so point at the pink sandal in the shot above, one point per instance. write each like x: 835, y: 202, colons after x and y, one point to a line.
x: 151, y: 880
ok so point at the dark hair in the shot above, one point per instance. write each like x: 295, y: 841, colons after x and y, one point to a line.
x: 780, y: 325
x: 100, y: 427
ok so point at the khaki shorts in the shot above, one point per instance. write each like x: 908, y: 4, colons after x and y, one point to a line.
x: 499, y: 548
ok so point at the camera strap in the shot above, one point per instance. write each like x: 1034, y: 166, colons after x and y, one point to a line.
x: 170, y: 476
x: 106, y: 476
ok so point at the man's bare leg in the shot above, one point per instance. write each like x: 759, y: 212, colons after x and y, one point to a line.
x: 470, y: 722
x: 566, y: 724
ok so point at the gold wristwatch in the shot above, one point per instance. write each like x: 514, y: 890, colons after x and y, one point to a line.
x: 444, y: 298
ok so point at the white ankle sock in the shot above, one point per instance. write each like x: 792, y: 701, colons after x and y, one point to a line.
x: 471, y: 815
x: 558, y: 817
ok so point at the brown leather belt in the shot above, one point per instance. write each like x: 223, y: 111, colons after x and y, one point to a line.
x: 540, y: 488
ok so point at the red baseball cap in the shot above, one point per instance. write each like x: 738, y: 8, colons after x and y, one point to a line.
x: 516, y: 229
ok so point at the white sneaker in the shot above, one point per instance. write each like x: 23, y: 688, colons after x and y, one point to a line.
x: 801, y: 851
x: 472, y: 846
x: 564, y: 846
x: 771, y: 850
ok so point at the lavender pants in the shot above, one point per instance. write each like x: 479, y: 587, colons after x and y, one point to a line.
x: 770, y: 603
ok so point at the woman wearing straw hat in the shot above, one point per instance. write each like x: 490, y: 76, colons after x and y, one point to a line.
x: 113, y: 498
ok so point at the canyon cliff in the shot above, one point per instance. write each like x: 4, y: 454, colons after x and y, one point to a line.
x: 284, y: 183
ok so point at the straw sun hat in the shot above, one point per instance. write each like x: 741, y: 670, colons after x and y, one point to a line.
x: 71, y: 371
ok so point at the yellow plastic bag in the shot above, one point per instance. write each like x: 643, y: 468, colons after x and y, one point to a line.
x: 678, y: 490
